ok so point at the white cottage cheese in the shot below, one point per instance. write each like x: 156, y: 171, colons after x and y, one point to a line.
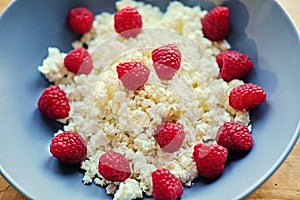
x: 111, y: 118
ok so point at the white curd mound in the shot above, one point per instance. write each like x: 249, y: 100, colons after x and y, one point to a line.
x: 112, y: 118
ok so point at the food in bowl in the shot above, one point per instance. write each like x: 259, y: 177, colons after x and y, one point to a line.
x: 142, y: 103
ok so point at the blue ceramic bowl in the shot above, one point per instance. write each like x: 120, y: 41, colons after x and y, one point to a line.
x: 261, y: 29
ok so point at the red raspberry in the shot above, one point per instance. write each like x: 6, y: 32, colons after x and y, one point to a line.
x: 68, y: 147
x: 128, y: 22
x: 166, y: 186
x: 114, y: 167
x: 133, y: 75
x: 233, y: 65
x: 166, y: 61
x: 79, y: 61
x: 80, y: 20
x: 246, y: 96
x: 170, y: 136
x: 215, y: 24
x: 54, y: 103
x: 210, y: 159
x: 234, y: 137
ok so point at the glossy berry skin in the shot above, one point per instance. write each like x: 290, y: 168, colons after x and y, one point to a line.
x: 210, y: 159
x: 79, y: 61
x: 80, y: 20
x: 114, y: 167
x: 166, y: 186
x: 128, y: 22
x: 133, y: 75
x: 166, y: 61
x: 170, y: 136
x: 246, y: 96
x: 68, y: 147
x: 233, y: 65
x: 54, y: 103
x: 216, y: 23
x: 235, y: 137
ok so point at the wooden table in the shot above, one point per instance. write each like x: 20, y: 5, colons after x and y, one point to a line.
x: 285, y: 182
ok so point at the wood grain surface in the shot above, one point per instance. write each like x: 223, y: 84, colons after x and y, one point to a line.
x: 283, y: 184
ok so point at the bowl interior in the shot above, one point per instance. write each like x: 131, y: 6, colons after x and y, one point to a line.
x: 261, y: 29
